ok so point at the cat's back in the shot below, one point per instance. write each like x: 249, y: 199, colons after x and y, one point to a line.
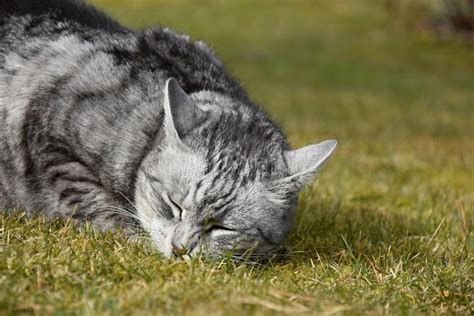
x: 57, y: 10
x: 43, y: 21
x: 157, y: 50
x: 32, y: 29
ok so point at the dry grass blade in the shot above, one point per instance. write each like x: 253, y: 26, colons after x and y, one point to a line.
x: 253, y: 300
x: 290, y: 296
x: 462, y: 216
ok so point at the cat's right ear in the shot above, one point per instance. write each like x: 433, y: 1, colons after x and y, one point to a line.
x: 181, y: 115
x: 304, y: 163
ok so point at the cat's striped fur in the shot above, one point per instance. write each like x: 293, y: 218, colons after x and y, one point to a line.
x: 92, y: 128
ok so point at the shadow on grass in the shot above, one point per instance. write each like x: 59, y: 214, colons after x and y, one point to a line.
x: 330, y: 228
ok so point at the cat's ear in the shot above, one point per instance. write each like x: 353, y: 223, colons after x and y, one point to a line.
x: 304, y: 163
x: 181, y: 114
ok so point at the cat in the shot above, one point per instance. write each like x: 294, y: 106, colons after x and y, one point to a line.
x: 140, y: 130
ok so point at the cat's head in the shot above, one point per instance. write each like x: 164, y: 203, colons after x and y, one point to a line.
x: 221, y: 178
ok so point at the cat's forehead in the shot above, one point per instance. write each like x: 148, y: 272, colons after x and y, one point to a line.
x: 244, y: 163
x: 235, y: 125
x: 231, y: 142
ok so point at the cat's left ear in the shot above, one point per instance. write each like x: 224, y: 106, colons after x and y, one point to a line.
x: 304, y: 163
x: 181, y: 115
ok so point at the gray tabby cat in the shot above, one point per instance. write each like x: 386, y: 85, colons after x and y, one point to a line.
x: 92, y: 127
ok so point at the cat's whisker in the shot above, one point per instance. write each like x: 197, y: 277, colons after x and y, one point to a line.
x: 128, y: 200
x: 117, y: 210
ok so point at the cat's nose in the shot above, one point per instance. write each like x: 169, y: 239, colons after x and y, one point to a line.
x: 185, y: 239
x: 183, y: 252
x: 179, y: 251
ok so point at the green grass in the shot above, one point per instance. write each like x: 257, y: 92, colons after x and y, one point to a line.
x: 386, y: 228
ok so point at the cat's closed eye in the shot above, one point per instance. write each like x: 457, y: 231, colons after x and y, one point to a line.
x: 178, y: 211
x: 218, y: 228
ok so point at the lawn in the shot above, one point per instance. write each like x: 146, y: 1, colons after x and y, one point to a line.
x: 386, y: 228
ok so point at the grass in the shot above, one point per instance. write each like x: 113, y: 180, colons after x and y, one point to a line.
x: 386, y: 228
